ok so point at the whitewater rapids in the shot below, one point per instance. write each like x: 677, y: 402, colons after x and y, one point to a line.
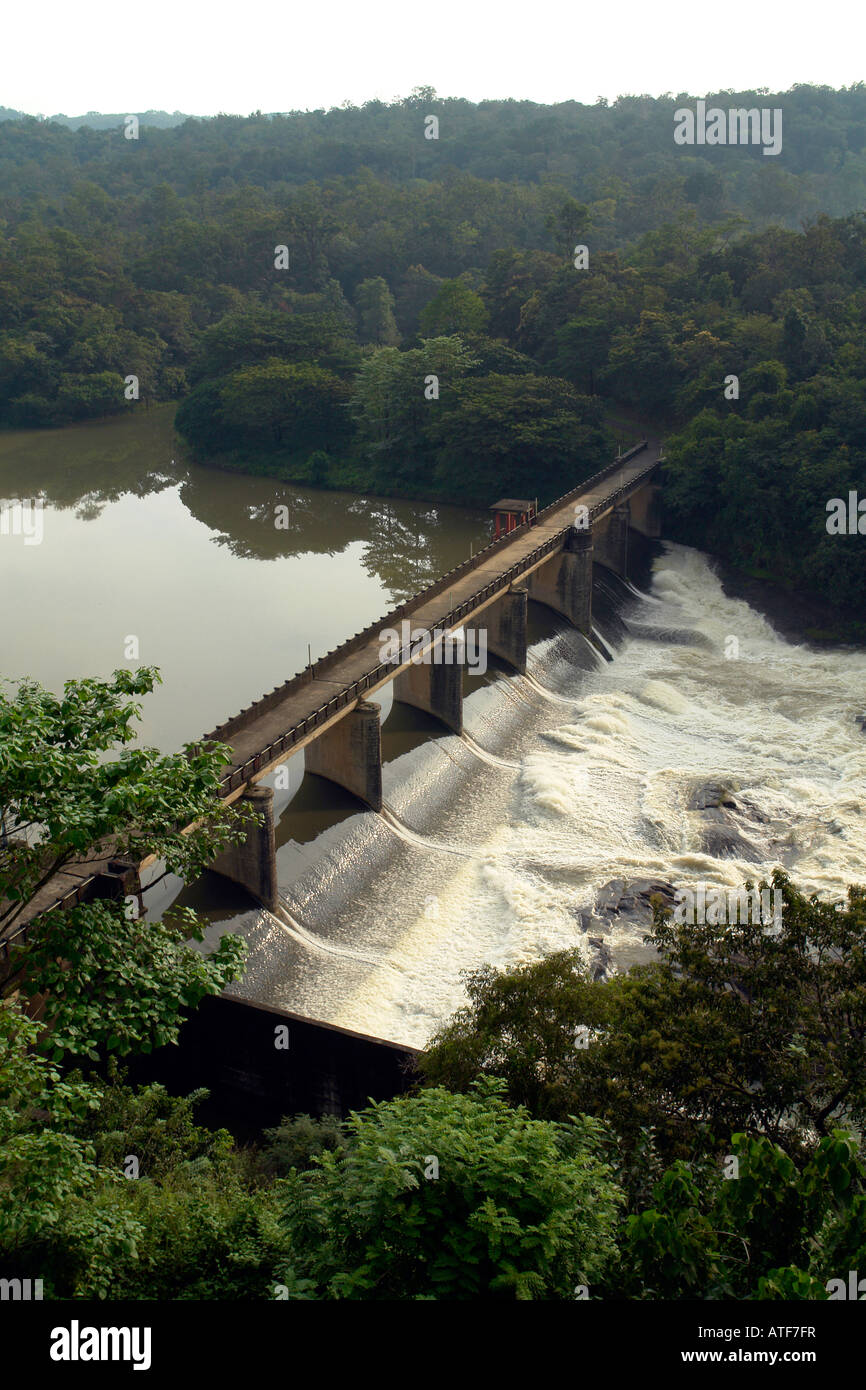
x: 588, y: 774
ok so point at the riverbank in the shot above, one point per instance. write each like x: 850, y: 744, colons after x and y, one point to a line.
x: 796, y: 614
x: 140, y: 453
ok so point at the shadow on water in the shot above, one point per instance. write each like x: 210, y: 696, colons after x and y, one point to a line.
x: 316, y: 806
x: 406, y: 728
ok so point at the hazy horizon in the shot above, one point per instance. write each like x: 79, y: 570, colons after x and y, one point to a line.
x: 684, y: 94
x: 181, y: 60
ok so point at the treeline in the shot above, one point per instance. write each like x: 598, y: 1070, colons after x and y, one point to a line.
x: 99, y: 120
x: 621, y: 151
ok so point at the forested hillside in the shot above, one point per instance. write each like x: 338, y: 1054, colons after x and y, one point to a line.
x: 337, y: 299
x: 621, y: 152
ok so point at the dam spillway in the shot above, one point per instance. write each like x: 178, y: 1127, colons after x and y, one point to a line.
x: 593, y: 776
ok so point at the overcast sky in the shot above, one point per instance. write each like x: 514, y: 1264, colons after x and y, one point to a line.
x: 103, y: 55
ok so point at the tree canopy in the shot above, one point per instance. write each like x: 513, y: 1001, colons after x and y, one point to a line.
x: 75, y: 789
x: 741, y: 1029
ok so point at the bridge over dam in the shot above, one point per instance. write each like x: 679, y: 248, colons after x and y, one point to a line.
x: 325, y: 709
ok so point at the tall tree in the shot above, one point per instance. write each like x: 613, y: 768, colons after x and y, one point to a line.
x: 375, y: 304
x: 454, y: 308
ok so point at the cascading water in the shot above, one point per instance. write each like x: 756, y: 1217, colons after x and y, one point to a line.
x: 709, y: 749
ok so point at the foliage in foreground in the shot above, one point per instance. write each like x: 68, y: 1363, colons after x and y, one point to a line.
x: 757, y: 1227
x: 739, y: 1029
x: 435, y: 1196
x: 452, y: 1196
x: 519, y: 1208
x: 191, y: 1225
x: 73, y: 785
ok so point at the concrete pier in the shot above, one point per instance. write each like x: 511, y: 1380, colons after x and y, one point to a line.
x: 350, y: 754
x: 436, y: 687
x: 645, y: 508
x: 611, y: 547
x: 253, y: 863
x: 506, y: 627
x: 564, y: 582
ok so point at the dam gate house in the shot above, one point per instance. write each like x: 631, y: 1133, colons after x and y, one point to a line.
x: 511, y: 512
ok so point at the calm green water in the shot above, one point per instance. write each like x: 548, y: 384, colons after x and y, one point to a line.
x: 139, y: 543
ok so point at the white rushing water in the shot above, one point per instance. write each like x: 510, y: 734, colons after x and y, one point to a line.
x: 589, y: 774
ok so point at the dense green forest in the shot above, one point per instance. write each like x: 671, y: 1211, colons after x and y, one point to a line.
x: 338, y: 300
x: 621, y: 151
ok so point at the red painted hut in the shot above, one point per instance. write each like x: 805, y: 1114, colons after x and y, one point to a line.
x: 512, y: 512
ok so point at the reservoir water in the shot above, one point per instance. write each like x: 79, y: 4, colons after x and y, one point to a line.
x: 593, y: 769
x: 192, y: 564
